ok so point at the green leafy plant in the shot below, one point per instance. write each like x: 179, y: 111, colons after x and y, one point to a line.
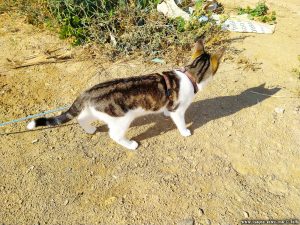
x: 260, y: 13
x: 123, y: 27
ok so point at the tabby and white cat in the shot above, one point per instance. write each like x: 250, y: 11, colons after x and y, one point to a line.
x: 120, y: 101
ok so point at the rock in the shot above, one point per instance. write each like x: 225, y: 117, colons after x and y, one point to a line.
x: 279, y: 110
x: 188, y: 221
x: 246, y: 214
x: 66, y: 202
x: 201, y: 212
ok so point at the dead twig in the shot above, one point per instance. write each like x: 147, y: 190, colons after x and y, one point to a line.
x: 41, y: 63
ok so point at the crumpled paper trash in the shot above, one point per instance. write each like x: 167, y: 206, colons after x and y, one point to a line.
x: 171, y: 10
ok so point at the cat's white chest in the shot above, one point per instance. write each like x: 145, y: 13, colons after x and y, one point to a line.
x: 204, y: 83
x: 186, y: 89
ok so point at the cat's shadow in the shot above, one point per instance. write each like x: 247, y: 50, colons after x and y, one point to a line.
x: 203, y: 111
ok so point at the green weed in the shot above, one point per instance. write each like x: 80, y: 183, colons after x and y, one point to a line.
x: 124, y: 27
x: 260, y: 13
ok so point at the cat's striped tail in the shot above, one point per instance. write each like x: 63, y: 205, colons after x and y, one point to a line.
x: 65, y: 117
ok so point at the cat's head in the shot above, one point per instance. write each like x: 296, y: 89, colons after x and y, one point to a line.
x: 204, y: 65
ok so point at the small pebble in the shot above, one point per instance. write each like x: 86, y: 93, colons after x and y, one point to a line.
x: 230, y: 123
x: 279, y: 110
x: 246, y: 214
x: 35, y: 141
x: 66, y: 202
x: 201, y: 212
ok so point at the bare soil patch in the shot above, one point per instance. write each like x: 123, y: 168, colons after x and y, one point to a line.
x: 242, y: 160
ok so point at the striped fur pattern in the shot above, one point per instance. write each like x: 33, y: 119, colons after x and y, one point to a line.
x: 118, y: 102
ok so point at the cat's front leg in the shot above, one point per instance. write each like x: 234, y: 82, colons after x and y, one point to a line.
x: 178, y: 119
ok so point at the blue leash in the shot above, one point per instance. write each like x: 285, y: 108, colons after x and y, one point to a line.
x: 34, y: 116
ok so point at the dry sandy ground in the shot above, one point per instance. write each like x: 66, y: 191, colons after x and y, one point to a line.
x: 242, y: 161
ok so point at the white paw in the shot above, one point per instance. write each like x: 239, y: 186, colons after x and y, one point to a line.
x: 90, y: 130
x: 31, y: 125
x: 185, y: 133
x: 166, y: 113
x: 132, y: 145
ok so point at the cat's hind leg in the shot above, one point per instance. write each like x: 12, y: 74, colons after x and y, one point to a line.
x: 117, y: 130
x: 84, y: 119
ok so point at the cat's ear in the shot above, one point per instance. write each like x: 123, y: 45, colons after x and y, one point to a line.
x: 198, y: 47
x: 215, y: 59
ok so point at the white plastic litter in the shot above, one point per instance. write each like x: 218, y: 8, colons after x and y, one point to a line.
x: 203, y: 19
x: 158, y: 60
x: 244, y: 25
x: 171, y: 10
x: 238, y: 23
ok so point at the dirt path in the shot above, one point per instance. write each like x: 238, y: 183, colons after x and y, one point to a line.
x: 241, y: 161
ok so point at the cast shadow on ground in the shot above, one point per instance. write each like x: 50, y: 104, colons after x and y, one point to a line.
x: 203, y: 111
x: 198, y: 114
